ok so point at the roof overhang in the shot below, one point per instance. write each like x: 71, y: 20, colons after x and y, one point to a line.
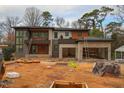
x: 54, y: 28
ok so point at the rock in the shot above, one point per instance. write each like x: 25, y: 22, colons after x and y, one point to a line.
x: 12, y: 75
x: 101, y: 68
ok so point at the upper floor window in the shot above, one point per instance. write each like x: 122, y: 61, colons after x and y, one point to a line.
x: 19, y: 33
x: 40, y: 34
x: 55, y: 34
x: 66, y: 33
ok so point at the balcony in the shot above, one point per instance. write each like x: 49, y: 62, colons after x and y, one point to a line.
x: 67, y: 41
x: 38, y: 41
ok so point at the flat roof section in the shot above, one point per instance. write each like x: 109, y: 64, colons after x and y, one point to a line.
x: 54, y: 28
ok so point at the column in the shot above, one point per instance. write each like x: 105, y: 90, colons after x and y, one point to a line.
x: 60, y: 52
x: 50, y: 44
x: 109, y: 53
x: 79, y: 52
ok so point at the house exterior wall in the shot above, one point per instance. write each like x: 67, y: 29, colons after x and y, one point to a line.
x: 55, y: 47
x: 62, y: 33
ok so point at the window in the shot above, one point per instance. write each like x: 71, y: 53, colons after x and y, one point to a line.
x: 17, y: 33
x: 35, y: 34
x: 55, y: 34
x: 79, y: 33
x: 66, y: 33
x: 20, y: 33
x: 19, y: 48
x: 40, y: 34
x: 19, y: 40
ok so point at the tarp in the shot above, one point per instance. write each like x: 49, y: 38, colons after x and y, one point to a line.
x: 120, y: 49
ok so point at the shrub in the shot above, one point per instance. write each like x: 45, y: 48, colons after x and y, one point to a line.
x: 7, y: 52
x: 72, y: 64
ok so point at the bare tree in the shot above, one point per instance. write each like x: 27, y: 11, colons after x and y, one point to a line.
x: 60, y: 22
x: 75, y: 24
x: 32, y: 17
x: 78, y: 24
x: 7, y: 30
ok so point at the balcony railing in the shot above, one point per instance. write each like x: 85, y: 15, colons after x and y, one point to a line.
x: 38, y: 41
x: 66, y: 41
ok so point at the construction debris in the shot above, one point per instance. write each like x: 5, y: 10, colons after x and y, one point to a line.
x: 102, y: 68
x: 49, y: 67
x: 27, y: 61
x: 12, y: 75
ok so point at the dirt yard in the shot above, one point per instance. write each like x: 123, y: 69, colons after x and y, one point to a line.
x: 36, y: 75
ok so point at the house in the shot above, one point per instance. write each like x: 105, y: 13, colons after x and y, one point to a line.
x: 60, y: 42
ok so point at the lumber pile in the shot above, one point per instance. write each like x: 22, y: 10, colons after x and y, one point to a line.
x: 102, y: 68
x: 27, y: 61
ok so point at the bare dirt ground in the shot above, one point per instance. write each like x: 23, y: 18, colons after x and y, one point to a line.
x: 36, y: 75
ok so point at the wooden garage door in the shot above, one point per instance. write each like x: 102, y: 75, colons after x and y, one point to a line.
x: 68, y: 52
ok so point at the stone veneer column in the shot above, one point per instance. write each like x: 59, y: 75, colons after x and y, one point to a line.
x: 109, y: 53
x: 50, y: 44
x: 60, y: 52
x: 79, y: 51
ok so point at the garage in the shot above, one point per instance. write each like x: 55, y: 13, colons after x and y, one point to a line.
x: 96, y: 53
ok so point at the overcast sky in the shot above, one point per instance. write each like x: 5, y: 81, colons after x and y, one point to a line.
x: 69, y: 12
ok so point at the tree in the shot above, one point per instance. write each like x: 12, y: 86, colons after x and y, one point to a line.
x: 104, y: 11
x: 95, y: 18
x: 7, y: 30
x: 96, y: 33
x: 113, y: 27
x: 60, y: 22
x: 90, y: 19
x: 120, y: 13
x: 47, y: 18
x: 32, y: 17
x: 77, y: 24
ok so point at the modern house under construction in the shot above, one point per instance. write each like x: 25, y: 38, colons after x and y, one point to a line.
x: 61, y: 43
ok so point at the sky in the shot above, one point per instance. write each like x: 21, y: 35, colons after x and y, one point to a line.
x: 69, y: 12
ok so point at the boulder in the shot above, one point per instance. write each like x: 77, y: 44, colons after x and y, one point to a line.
x: 102, y: 68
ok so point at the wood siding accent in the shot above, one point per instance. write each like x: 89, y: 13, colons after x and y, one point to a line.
x: 76, y: 36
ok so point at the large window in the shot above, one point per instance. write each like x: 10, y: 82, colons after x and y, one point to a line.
x: 55, y: 34
x: 20, y: 33
x: 19, y: 40
x: 40, y: 34
x: 67, y: 33
x: 19, y: 48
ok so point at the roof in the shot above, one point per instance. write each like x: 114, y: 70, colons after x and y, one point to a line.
x: 120, y: 49
x: 31, y: 27
x: 70, y: 29
x: 95, y: 39
x: 54, y: 28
